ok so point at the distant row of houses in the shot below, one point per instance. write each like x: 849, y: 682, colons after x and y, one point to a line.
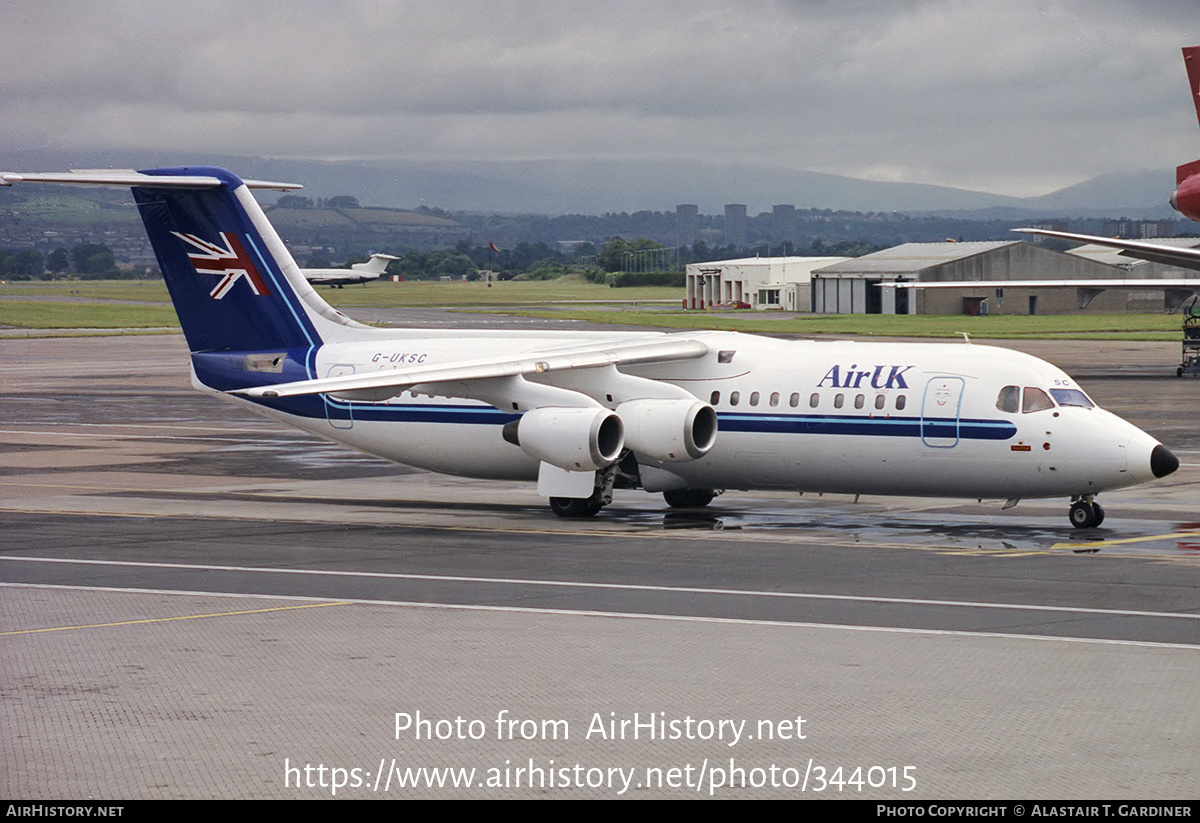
x: 839, y: 285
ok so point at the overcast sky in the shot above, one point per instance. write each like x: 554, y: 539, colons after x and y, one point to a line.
x: 1015, y: 97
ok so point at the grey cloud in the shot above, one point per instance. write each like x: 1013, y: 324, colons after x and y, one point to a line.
x: 1020, y: 96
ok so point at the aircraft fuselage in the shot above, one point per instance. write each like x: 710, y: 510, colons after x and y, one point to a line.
x: 869, y: 418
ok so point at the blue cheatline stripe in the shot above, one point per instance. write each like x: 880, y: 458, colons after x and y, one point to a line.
x: 480, y: 415
x: 363, y: 412
x: 968, y: 429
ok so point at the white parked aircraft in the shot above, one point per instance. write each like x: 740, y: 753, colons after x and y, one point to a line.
x: 372, y: 269
x: 583, y: 413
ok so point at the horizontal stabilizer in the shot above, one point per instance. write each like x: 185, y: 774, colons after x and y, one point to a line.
x: 129, y: 177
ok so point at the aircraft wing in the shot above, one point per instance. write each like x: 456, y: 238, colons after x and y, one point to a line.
x: 1176, y: 289
x: 392, y: 382
x: 1113, y: 283
x: 1182, y: 257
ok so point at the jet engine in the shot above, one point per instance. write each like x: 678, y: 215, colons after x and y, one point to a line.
x: 669, y: 430
x: 1186, y: 198
x: 575, y: 439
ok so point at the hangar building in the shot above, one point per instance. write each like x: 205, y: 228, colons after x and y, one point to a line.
x: 760, y: 282
x: 852, y: 286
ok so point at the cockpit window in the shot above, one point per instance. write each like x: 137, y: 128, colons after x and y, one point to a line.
x: 1036, y: 400
x: 1009, y: 399
x: 1072, y: 397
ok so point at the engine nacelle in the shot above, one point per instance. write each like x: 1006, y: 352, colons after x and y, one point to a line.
x: 575, y: 439
x: 669, y: 430
x: 1186, y: 199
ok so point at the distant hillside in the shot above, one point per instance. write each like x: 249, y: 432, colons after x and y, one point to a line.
x: 365, y: 228
x: 597, y: 187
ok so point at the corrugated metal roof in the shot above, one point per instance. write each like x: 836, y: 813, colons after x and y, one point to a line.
x: 762, y: 261
x: 911, y: 258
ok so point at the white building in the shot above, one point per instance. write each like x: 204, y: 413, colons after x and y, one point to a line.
x: 761, y: 282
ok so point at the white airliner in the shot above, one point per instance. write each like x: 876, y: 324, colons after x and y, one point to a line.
x: 582, y: 413
x: 372, y: 269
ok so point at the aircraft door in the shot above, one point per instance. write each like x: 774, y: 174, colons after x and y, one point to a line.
x: 939, y: 412
x: 339, y: 413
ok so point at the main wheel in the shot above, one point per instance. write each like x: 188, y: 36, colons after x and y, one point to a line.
x: 689, y: 498
x: 1084, y: 515
x: 574, y: 506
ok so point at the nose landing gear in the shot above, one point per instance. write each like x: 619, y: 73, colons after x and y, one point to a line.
x: 1085, y: 513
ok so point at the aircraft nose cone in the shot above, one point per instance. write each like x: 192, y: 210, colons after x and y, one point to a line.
x: 1162, y: 461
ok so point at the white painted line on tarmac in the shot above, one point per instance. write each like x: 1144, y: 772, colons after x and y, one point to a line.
x: 609, y: 586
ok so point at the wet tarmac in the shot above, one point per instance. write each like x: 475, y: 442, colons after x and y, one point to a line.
x: 194, y: 600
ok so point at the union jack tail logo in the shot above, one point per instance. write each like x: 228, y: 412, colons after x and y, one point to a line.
x: 229, y: 263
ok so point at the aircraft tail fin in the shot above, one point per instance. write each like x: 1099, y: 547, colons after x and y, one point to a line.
x: 1191, y: 59
x: 1186, y: 197
x: 234, y: 284
x: 376, y: 265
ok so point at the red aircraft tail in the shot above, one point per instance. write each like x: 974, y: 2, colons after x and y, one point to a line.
x: 1186, y: 198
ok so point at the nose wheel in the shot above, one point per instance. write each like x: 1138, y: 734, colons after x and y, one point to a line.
x: 1085, y: 514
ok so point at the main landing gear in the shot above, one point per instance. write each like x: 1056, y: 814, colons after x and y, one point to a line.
x: 606, y: 479
x: 1085, y: 513
x: 576, y: 506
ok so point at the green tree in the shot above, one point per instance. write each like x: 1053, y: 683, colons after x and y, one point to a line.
x: 21, y: 265
x: 58, y: 260
x: 294, y: 201
x: 643, y: 254
x: 342, y: 201
x: 455, y: 265
x: 94, y: 261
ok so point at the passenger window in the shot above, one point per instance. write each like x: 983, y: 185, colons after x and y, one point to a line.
x: 734, y: 397
x: 774, y: 398
x: 794, y: 400
x: 859, y: 400
x: 754, y: 398
x: 814, y: 401
x: 880, y: 401
x: 838, y: 400
x: 715, y: 398
x: 1009, y: 399
x: 901, y: 401
x: 1036, y: 400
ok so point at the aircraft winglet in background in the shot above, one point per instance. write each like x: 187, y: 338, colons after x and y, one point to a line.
x: 582, y: 413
